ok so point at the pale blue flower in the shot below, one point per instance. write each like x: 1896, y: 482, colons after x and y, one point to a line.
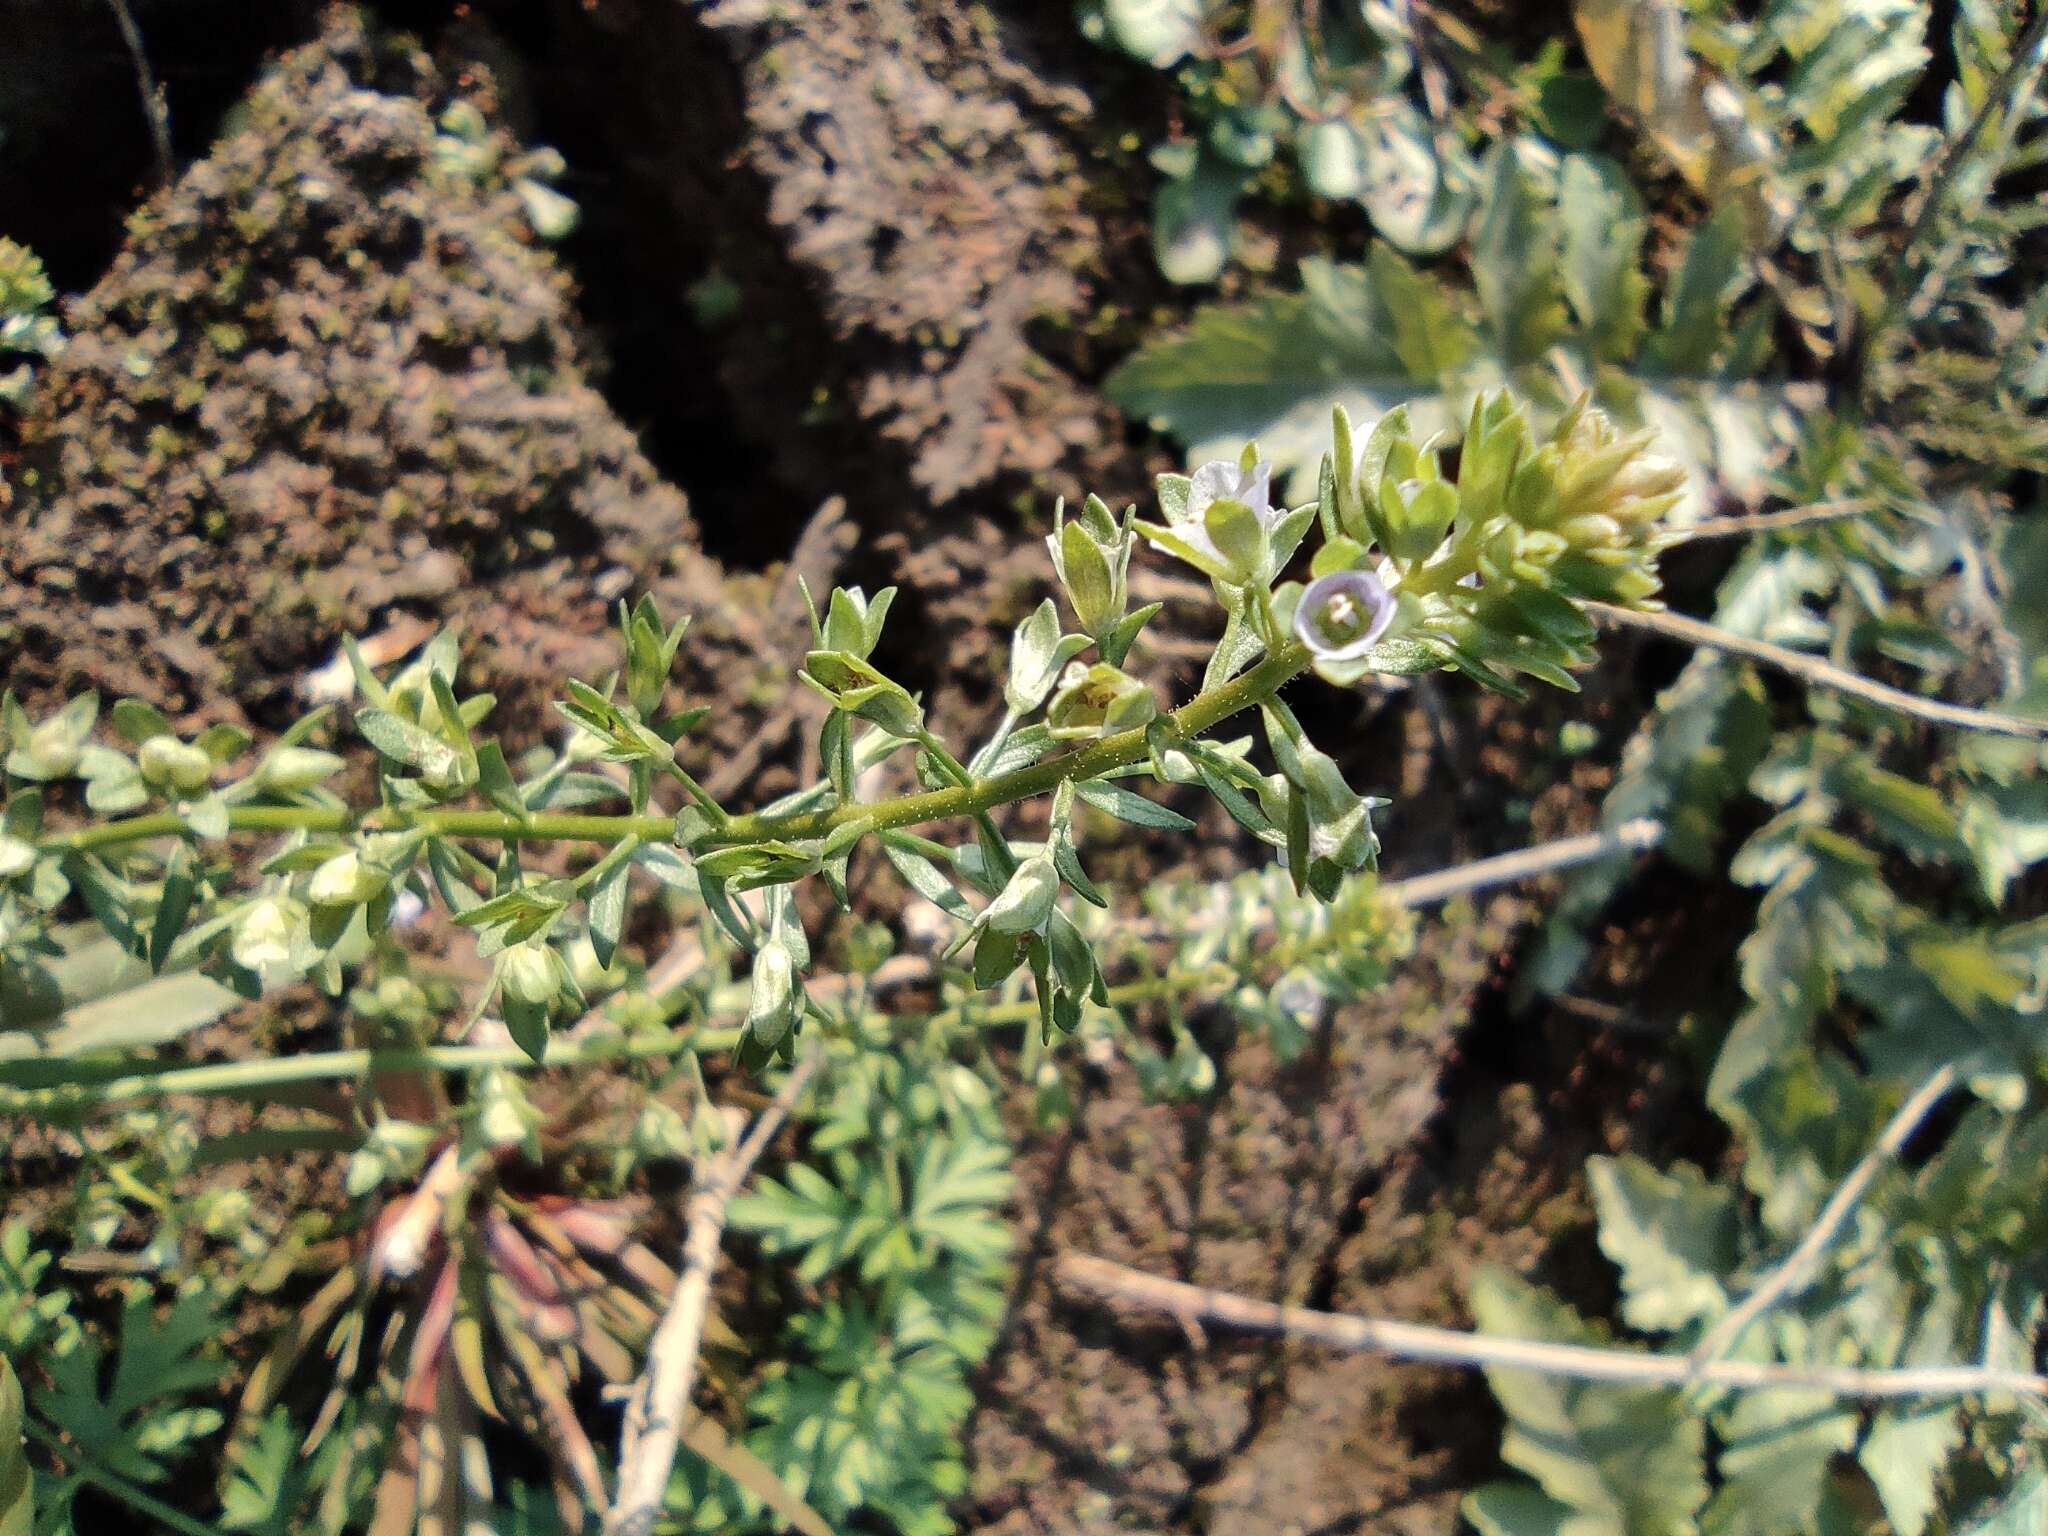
x: 1341, y: 616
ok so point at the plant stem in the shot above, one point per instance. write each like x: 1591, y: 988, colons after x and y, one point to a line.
x: 1819, y: 671
x: 232, y: 1077
x: 1200, y: 714
x: 327, y: 1066
x: 1193, y: 1305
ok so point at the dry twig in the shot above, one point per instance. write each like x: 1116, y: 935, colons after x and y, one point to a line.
x: 1773, y: 522
x: 1192, y: 1305
x: 1524, y: 863
x: 1804, y: 1260
x: 155, y: 109
x: 661, y: 1397
x: 1819, y: 671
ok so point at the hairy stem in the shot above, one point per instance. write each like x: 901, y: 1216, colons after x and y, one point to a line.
x: 1192, y: 719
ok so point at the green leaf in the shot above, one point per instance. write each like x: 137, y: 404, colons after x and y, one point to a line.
x: 270, y: 1478
x: 1516, y: 1509
x: 1672, y: 1235
x: 173, y: 907
x: 608, y: 913
x: 924, y: 876
x: 1126, y: 805
x: 144, y: 1411
x: 1904, y: 1453
x: 1627, y: 1460
x: 1603, y: 222
x: 17, y: 1488
x: 1514, y: 261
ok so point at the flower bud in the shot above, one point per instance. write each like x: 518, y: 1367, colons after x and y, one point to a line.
x: 531, y: 973
x: 169, y: 763
x: 776, y: 1003
x: 1026, y: 902
x: 55, y: 747
x: 345, y: 881
x: 504, y: 1118
x: 292, y: 768
x: 1092, y: 569
x: 266, y: 934
x: 15, y: 856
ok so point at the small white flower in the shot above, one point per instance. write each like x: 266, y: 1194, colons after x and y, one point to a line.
x: 266, y: 935
x: 1222, y: 480
x: 1342, y: 615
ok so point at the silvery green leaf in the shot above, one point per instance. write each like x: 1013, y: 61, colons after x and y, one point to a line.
x: 1603, y: 223
x: 2022, y: 1512
x: 608, y: 912
x: 1625, y: 1459
x: 923, y: 876
x: 403, y: 742
x: 1332, y: 161
x: 1696, y: 308
x: 1415, y: 200
x: 495, y: 781
x: 1125, y: 805
x: 207, y: 818
x: 667, y: 865
x: 1236, y: 650
x: 1904, y: 1453
x: 1777, y: 1452
x: 552, y: 215
x: 1673, y: 1236
x: 1515, y: 260
x: 152, y: 1013
x: 1271, y: 369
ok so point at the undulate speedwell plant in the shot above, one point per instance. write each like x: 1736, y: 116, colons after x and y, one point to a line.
x: 208, y: 870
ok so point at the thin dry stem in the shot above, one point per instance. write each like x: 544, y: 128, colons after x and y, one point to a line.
x: 155, y: 109
x: 661, y: 1397
x: 1773, y: 522
x: 1818, y: 671
x: 1804, y: 1260
x: 1524, y: 863
x: 1193, y: 1305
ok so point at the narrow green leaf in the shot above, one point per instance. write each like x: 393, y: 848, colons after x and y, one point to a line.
x: 1125, y: 805
x: 608, y: 912
x: 176, y: 903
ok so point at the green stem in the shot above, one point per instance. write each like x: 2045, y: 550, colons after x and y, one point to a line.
x: 233, y: 1077
x: 1192, y: 719
x: 138, y: 1499
x: 698, y: 793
